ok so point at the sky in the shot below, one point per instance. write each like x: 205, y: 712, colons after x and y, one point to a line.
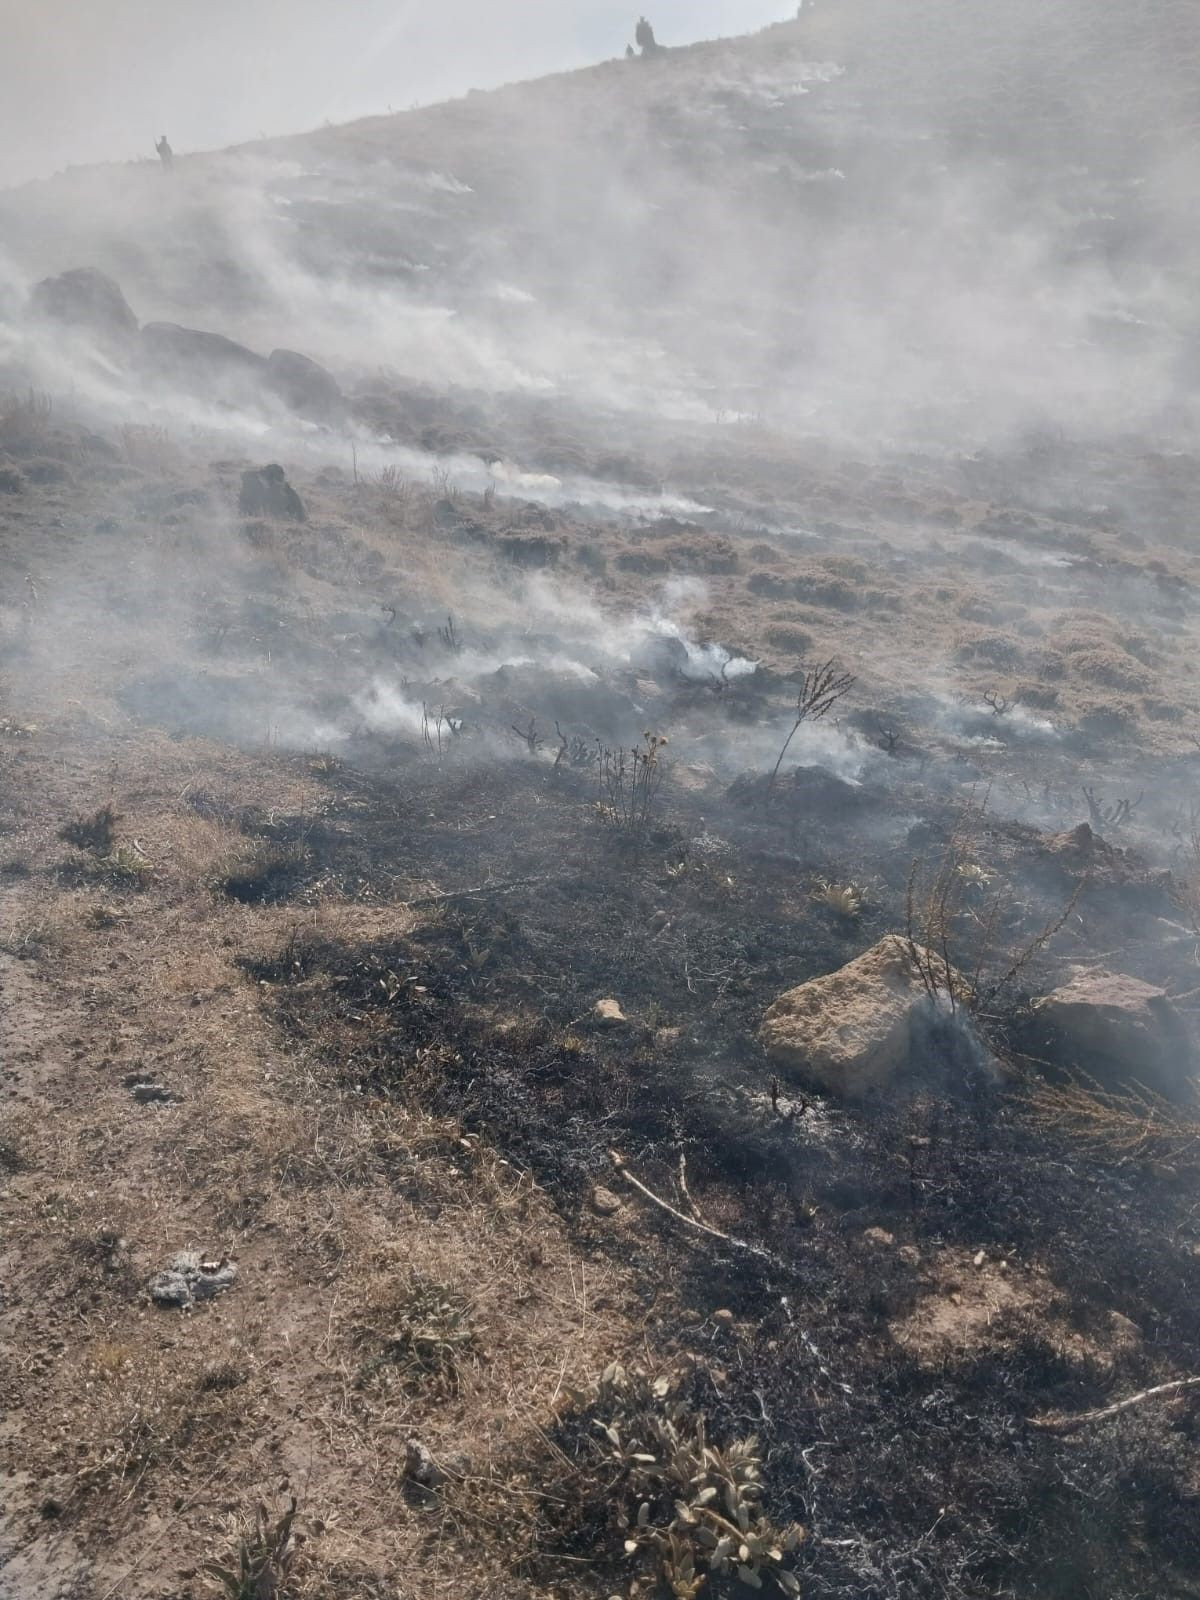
x: 98, y: 80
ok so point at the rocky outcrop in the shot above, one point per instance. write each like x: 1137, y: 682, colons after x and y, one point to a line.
x: 1117, y: 1030
x: 267, y: 493
x: 88, y: 301
x: 304, y: 386
x: 194, y: 359
x: 856, y: 1029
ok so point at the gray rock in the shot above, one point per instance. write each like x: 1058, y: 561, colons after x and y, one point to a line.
x: 1118, y: 1030
x: 420, y: 1467
x: 189, y: 1278
x: 267, y: 493
x: 87, y: 300
x: 858, y: 1028
x: 192, y: 358
x: 304, y: 386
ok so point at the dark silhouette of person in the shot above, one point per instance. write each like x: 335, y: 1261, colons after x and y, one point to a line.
x: 629, y: 52
x: 646, y: 41
x: 165, y: 154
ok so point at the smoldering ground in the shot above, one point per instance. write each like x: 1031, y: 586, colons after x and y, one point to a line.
x: 617, y: 459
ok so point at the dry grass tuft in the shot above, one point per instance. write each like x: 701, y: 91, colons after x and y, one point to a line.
x: 422, y: 1329
x: 1130, y: 1126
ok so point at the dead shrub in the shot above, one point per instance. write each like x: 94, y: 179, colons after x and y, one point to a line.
x: 1133, y: 1125
x: 630, y: 780
x: 95, y: 832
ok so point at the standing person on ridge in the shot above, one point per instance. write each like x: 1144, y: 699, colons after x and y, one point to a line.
x: 644, y: 35
x: 165, y: 154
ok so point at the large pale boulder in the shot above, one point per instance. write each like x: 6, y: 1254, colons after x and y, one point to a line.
x: 855, y: 1029
x: 1118, y: 1030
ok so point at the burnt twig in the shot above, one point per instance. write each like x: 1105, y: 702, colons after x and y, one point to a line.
x: 618, y: 1162
x: 1086, y: 1418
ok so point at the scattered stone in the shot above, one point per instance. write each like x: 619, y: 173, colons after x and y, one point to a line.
x: 723, y: 1318
x: 1118, y: 1030
x: 609, y: 1013
x: 87, y: 300
x: 1126, y: 1335
x: 604, y: 1202
x: 304, y: 386
x: 979, y: 1258
x: 420, y: 1467
x: 267, y: 493
x: 147, y: 1094
x: 879, y: 1237
x: 188, y: 1278
x: 856, y: 1029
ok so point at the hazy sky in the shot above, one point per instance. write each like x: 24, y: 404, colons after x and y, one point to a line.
x: 93, y: 80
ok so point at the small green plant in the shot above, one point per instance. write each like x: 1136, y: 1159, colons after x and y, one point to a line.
x: 694, y: 1507
x: 266, y: 1551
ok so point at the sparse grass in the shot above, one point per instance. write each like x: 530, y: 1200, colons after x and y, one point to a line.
x: 123, y: 867
x: 144, y: 1411
x: 149, y: 448
x: 24, y: 419
x: 262, y: 1560
x: 421, y: 1328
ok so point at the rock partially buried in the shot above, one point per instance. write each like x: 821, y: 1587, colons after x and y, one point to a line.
x: 86, y: 300
x: 608, y: 1014
x: 856, y: 1029
x: 267, y: 493
x: 188, y: 1278
x: 604, y: 1202
x: 1119, y: 1030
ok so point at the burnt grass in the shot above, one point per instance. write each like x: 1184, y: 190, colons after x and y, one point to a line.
x: 915, y: 1477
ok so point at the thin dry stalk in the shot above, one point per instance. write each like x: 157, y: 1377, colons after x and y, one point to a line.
x: 821, y: 689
